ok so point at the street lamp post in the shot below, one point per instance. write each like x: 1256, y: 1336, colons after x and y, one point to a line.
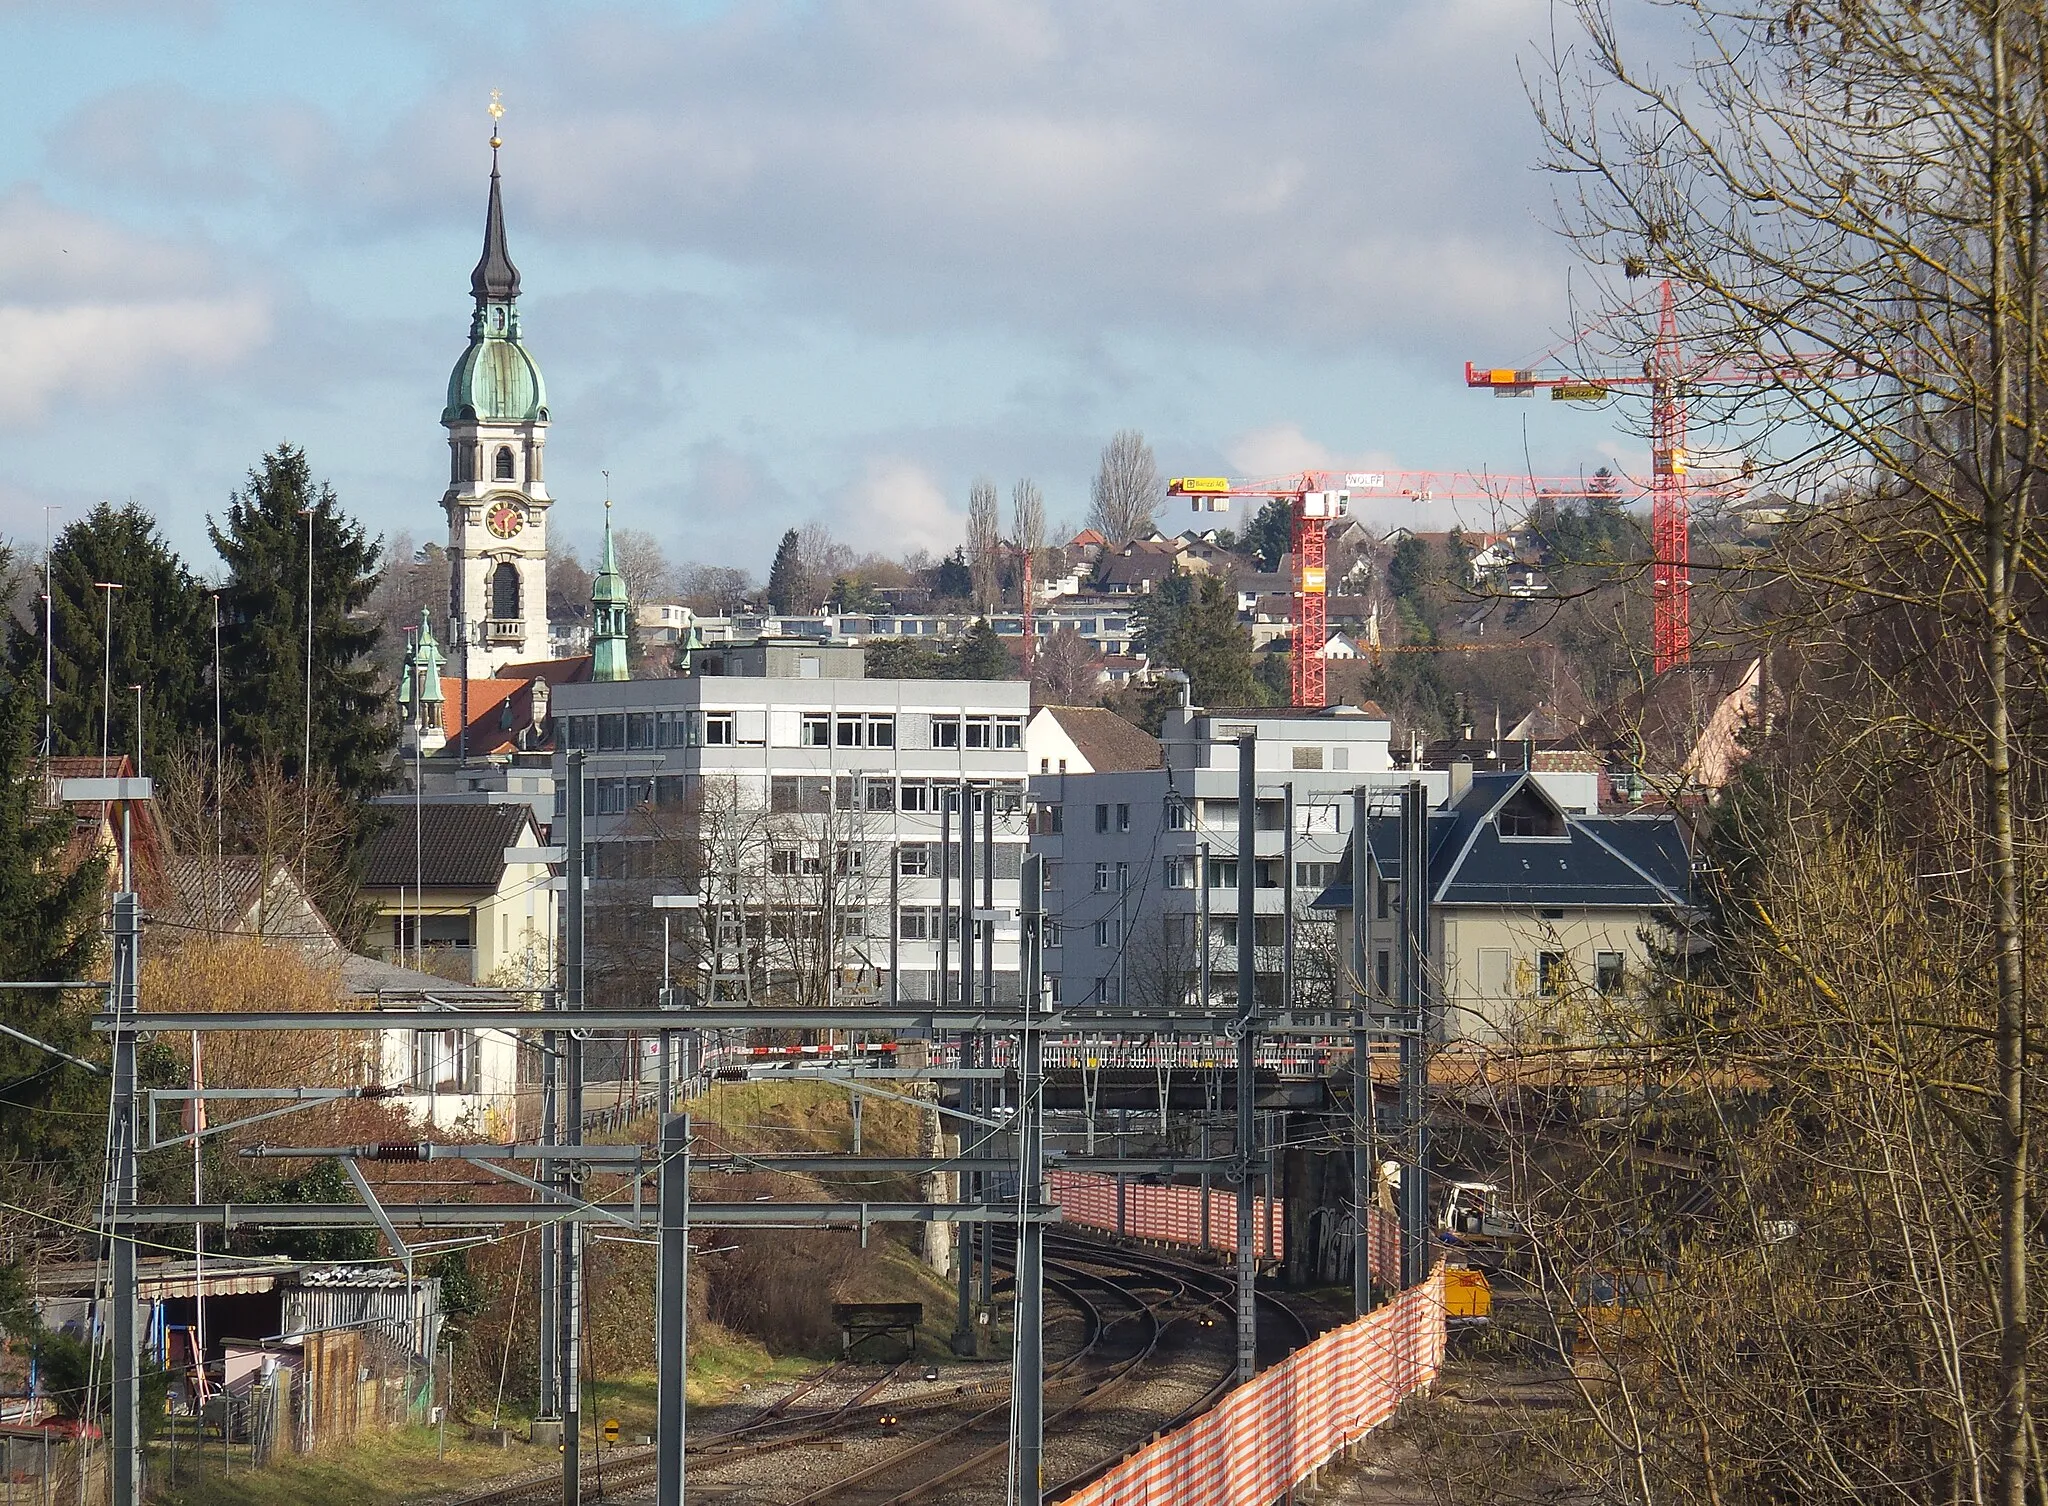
x: 668, y: 904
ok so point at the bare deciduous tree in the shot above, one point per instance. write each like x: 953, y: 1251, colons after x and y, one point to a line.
x: 643, y: 565
x: 985, y: 545
x: 1126, y: 490
x: 1848, y: 197
x: 1063, y: 671
x: 1027, y: 522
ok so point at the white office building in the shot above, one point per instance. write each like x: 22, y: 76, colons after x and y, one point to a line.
x: 805, y: 803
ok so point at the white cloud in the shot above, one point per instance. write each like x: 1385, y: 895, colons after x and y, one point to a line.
x: 88, y: 310
x: 898, y: 507
x: 1281, y: 447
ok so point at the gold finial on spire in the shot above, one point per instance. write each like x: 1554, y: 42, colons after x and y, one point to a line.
x: 497, y: 113
x: 607, y: 490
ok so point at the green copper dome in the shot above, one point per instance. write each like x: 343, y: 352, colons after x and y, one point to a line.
x: 496, y: 381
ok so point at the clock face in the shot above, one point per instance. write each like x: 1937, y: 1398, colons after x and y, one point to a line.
x: 504, y: 520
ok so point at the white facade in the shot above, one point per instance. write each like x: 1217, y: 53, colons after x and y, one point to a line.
x: 804, y: 795
x: 498, y: 543
x: 1125, y: 853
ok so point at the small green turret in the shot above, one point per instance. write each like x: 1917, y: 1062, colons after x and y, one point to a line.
x: 610, y: 614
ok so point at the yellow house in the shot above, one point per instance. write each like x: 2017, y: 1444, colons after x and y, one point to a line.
x: 1541, y: 920
x: 448, y: 903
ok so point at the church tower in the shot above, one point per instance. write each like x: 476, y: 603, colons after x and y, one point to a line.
x: 497, y: 504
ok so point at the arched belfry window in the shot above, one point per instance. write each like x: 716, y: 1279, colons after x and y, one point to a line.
x: 505, y: 592
x: 504, y: 462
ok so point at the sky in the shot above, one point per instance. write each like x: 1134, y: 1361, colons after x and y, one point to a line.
x: 781, y: 262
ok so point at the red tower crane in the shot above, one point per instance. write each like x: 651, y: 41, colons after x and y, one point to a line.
x: 1316, y: 498
x: 1668, y: 373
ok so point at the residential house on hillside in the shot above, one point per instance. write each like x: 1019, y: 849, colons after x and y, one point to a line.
x: 102, y: 826
x: 1683, y: 733
x: 1086, y: 740
x: 447, y: 901
x: 1542, y: 920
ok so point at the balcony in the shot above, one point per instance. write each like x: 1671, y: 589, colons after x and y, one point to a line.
x: 504, y: 630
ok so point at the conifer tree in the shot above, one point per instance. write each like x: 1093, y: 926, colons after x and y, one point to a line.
x: 49, y: 929
x: 980, y: 655
x: 786, y: 575
x: 263, y: 630
x: 162, y: 638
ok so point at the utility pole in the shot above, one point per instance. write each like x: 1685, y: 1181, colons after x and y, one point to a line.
x: 966, y: 1341
x: 988, y: 992
x: 1028, y: 1381
x: 126, y: 1377
x: 1361, y: 1065
x: 1415, y: 1023
x: 1247, y: 1019
x: 571, y: 1305
x: 672, y: 1309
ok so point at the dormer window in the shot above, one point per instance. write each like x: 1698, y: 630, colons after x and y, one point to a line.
x: 504, y: 464
x: 1528, y: 814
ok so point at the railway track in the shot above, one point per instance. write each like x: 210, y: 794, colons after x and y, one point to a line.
x: 1139, y: 1313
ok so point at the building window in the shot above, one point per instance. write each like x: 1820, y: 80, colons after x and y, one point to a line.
x: 817, y: 730
x: 441, y: 1061
x: 1383, y: 973
x: 1105, y: 932
x: 945, y: 732
x: 1055, y: 934
x: 1102, y: 818
x: 1123, y: 877
x: 881, y: 732
x: 1009, y: 732
x: 1179, y: 873
x: 914, y: 924
x: 1052, y: 874
x: 505, y: 592
x: 1123, y: 818
x: 1382, y: 900
x: 1052, y: 820
x: 881, y: 794
x: 1552, y: 976
x: 914, y: 860
x: 916, y: 796
x: 1315, y: 875
x: 1052, y: 988
x: 611, y: 732
x: 849, y: 732
x: 1178, y: 816
x: 1223, y: 873
x: 503, y: 469
x: 1102, y: 878
x: 1608, y: 971
x: 639, y: 729
x: 980, y: 732
x: 718, y: 729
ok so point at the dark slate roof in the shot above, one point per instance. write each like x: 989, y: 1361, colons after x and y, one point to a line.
x: 495, y: 279
x: 1603, y: 862
x: 1109, y: 743
x: 461, y: 846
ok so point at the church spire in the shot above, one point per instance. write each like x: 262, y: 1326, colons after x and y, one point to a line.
x: 610, y: 612
x: 495, y: 279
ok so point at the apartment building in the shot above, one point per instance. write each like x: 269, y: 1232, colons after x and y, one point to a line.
x: 807, y: 805
x: 1142, y: 860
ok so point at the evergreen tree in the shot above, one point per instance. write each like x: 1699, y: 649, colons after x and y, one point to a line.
x: 50, y: 1110
x: 1271, y: 533
x: 162, y: 639
x: 950, y: 579
x: 786, y: 576
x: 905, y: 659
x: 263, y: 630
x: 980, y: 655
x: 1190, y: 624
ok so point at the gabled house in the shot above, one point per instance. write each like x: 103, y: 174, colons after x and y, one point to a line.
x: 1086, y: 740
x: 1542, y: 920
x: 448, y: 903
